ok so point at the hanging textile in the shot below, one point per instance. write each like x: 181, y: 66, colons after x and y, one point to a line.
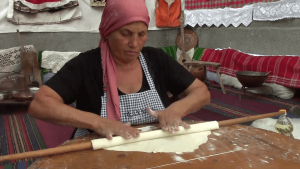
x: 276, y: 10
x: 46, y: 4
x: 23, y: 18
x: 218, y: 17
x: 41, y: 1
x: 213, y: 4
x: 167, y: 16
x: 89, y: 23
x: 24, y: 6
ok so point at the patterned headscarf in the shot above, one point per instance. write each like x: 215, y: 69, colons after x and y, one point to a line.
x: 116, y: 14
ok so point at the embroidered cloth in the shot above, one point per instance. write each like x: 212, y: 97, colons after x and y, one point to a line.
x: 218, y: 17
x: 23, y: 18
x: 276, y: 10
x: 25, y: 6
x: 41, y: 1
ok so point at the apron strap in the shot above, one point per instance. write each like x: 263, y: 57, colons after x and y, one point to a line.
x: 147, y: 74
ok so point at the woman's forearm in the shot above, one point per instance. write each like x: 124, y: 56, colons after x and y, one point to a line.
x: 53, y: 111
x: 194, y: 101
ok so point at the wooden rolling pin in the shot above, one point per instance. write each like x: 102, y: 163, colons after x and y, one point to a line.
x: 88, y: 145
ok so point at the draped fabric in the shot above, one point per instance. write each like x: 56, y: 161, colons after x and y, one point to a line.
x: 285, y: 70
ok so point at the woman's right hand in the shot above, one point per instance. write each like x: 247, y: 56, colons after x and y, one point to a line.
x: 108, y: 128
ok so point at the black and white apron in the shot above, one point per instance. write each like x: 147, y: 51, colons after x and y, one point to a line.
x: 133, y: 106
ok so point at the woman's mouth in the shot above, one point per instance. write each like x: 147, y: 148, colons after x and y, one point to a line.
x: 131, y: 52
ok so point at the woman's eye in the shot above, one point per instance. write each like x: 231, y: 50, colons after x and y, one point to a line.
x: 142, y: 34
x: 125, y: 33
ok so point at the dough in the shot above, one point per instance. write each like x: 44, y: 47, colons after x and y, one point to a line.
x: 184, y: 140
x: 178, y: 144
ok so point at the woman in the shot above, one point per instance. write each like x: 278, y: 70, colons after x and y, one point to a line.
x: 121, y: 83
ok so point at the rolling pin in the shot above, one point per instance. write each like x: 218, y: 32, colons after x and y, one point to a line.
x: 118, y: 140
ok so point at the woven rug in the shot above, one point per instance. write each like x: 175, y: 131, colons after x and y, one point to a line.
x: 19, y: 133
x: 228, y: 106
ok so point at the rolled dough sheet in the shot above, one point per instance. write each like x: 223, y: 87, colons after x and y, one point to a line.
x: 177, y: 144
x: 184, y: 138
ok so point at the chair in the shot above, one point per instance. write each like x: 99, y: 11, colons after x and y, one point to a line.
x: 191, y: 40
x: 189, y: 65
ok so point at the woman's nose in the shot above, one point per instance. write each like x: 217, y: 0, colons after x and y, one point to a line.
x: 133, y: 42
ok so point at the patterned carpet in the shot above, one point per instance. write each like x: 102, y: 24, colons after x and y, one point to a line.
x: 228, y: 106
x: 19, y: 133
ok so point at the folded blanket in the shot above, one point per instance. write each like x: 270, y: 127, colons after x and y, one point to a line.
x: 285, y: 70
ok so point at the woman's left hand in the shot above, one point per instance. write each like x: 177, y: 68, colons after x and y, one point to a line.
x: 169, y: 120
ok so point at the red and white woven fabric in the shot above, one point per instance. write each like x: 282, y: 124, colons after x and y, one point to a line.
x: 41, y: 1
x: 285, y: 70
x: 212, y: 4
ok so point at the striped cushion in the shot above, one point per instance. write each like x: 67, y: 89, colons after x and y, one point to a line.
x: 198, y: 53
x: 170, y: 50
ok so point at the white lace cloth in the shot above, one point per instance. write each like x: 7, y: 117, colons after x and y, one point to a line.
x: 218, y: 17
x: 10, y: 62
x: 56, y: 60
x: 276, y: 10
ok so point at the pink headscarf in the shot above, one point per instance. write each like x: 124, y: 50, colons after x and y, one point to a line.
x: 116, y: 14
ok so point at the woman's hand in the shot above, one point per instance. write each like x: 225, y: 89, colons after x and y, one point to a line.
x: 169, y: 120
x: 108, y: 128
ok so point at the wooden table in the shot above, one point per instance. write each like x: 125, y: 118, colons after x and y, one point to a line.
x: 235, y: 146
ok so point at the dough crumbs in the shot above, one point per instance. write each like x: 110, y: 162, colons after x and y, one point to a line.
x: 264, y: 161
x: 217, y: 134
x: 147, y: 128
x: 178, y: 158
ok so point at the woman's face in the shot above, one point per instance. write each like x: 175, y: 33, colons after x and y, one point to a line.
x: 126, y: 43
